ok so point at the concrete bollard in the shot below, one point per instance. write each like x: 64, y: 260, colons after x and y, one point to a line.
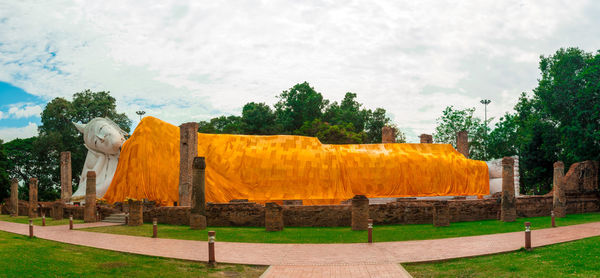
x: 553, y: 220
x: 154, y: 228
x: 211, y: 249
x: 71, y: 222
x: 370, y: 230
x: 30, y: 228
x: 527, y: 235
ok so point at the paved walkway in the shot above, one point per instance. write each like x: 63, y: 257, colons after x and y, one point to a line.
x: 286, y: 259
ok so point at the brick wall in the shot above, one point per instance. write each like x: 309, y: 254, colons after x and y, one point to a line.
x: 402, y: 211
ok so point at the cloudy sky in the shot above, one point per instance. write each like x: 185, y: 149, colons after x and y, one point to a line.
x: 191, y: 61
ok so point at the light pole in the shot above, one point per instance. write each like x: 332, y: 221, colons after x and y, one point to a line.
x: 485, y: 102
x: 140, y: 113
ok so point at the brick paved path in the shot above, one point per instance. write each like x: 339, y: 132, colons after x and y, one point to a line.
x: 359, y: 256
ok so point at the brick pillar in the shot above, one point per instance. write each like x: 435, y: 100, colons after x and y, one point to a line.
x: 360, y: 213
x: 462, y: 143
x: 33, y: 197
x: 66, y: 187
x: 509, y: 208
x: 198, y: 211
x: 14, y: 197
x: 388, y: 134
x: 136, y: 213
x: 89, y: 211
x: 441, y: 214
x: 58, y: 210
x: 559, y: 200
x: 188, y: 150
x: 273, y: 217
x: 426, y: 138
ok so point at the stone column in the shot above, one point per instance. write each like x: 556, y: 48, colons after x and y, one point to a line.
x: 426, y: 138
x: 360, y: 213
x: 14, y: 197
x: 33, y: 197
x: 136, y: 213
x: 559, y: 200
x: 273, y: 217
x: 66, y: 187
x: 198, y: 211
x: 58, y: 210
x: 388, y: 134
x: 509, y: 208
x: 188, y: 150
x: 89, y: 212
x: 441, y: 214
x: 462, y: 143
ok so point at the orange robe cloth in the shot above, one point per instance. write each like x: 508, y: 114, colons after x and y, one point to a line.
x: 283, y: 167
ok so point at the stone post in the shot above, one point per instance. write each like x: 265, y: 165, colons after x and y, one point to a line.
x: 198, y: 211
x: 462, y: 143
x: 388, y: 134
x: 273, y: 217
x: 426, y: 138
x: 441, y: 214
x: 360, y: 213
x: 509, y: 208
x: 14, y: 197
x: 188, y: 150
x: 559, y: 200
x: 66, y: 187
x: 58, y: 210
x: 33, y: 197
x: 136, y: 213
x: 89, y: 211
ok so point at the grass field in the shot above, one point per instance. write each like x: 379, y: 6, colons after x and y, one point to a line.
x: 24, y: 257
x: 579, y: 258
x: 38, y: 221
x: 344, y: 234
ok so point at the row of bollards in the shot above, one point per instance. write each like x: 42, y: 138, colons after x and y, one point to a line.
x: 211, y: 242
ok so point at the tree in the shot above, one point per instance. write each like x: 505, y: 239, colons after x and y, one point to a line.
x: 348, y: 111
x: 454, y: 120
x: 222, y: 125
x: 569, y: 93
x: 4, y: 178
x: 331, y: 134
x: 298, y: 105
x: 502, y: 141
x: 375, y: 122
x: 258, y: 118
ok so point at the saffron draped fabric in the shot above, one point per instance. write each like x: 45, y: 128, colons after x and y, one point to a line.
x: 283, y: 167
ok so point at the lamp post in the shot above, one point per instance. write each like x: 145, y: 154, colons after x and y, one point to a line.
x: 485, y: 103
x: 140, y: 113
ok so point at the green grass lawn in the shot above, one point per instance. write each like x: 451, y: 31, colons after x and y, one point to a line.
x: 579, y: 258
x: 38, y: 221
x: 344, y: 234
x: 24, y: 257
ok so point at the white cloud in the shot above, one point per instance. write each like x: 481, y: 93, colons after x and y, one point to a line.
x: 10, y: 133
x: 23, y: 110
x: 190, y: 61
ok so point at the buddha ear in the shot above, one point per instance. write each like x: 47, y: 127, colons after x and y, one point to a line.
x: 79, y: 127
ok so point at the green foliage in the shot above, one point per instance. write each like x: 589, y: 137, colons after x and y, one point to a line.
x: 332, y: 134
x: 39, y: 157
x: 258, y: 118
x: 4, y: 178
x: 560, y: 121
x: 453, y: 121
x: 303, y: 111
x: 298, y: 105
x: 222, y: 124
